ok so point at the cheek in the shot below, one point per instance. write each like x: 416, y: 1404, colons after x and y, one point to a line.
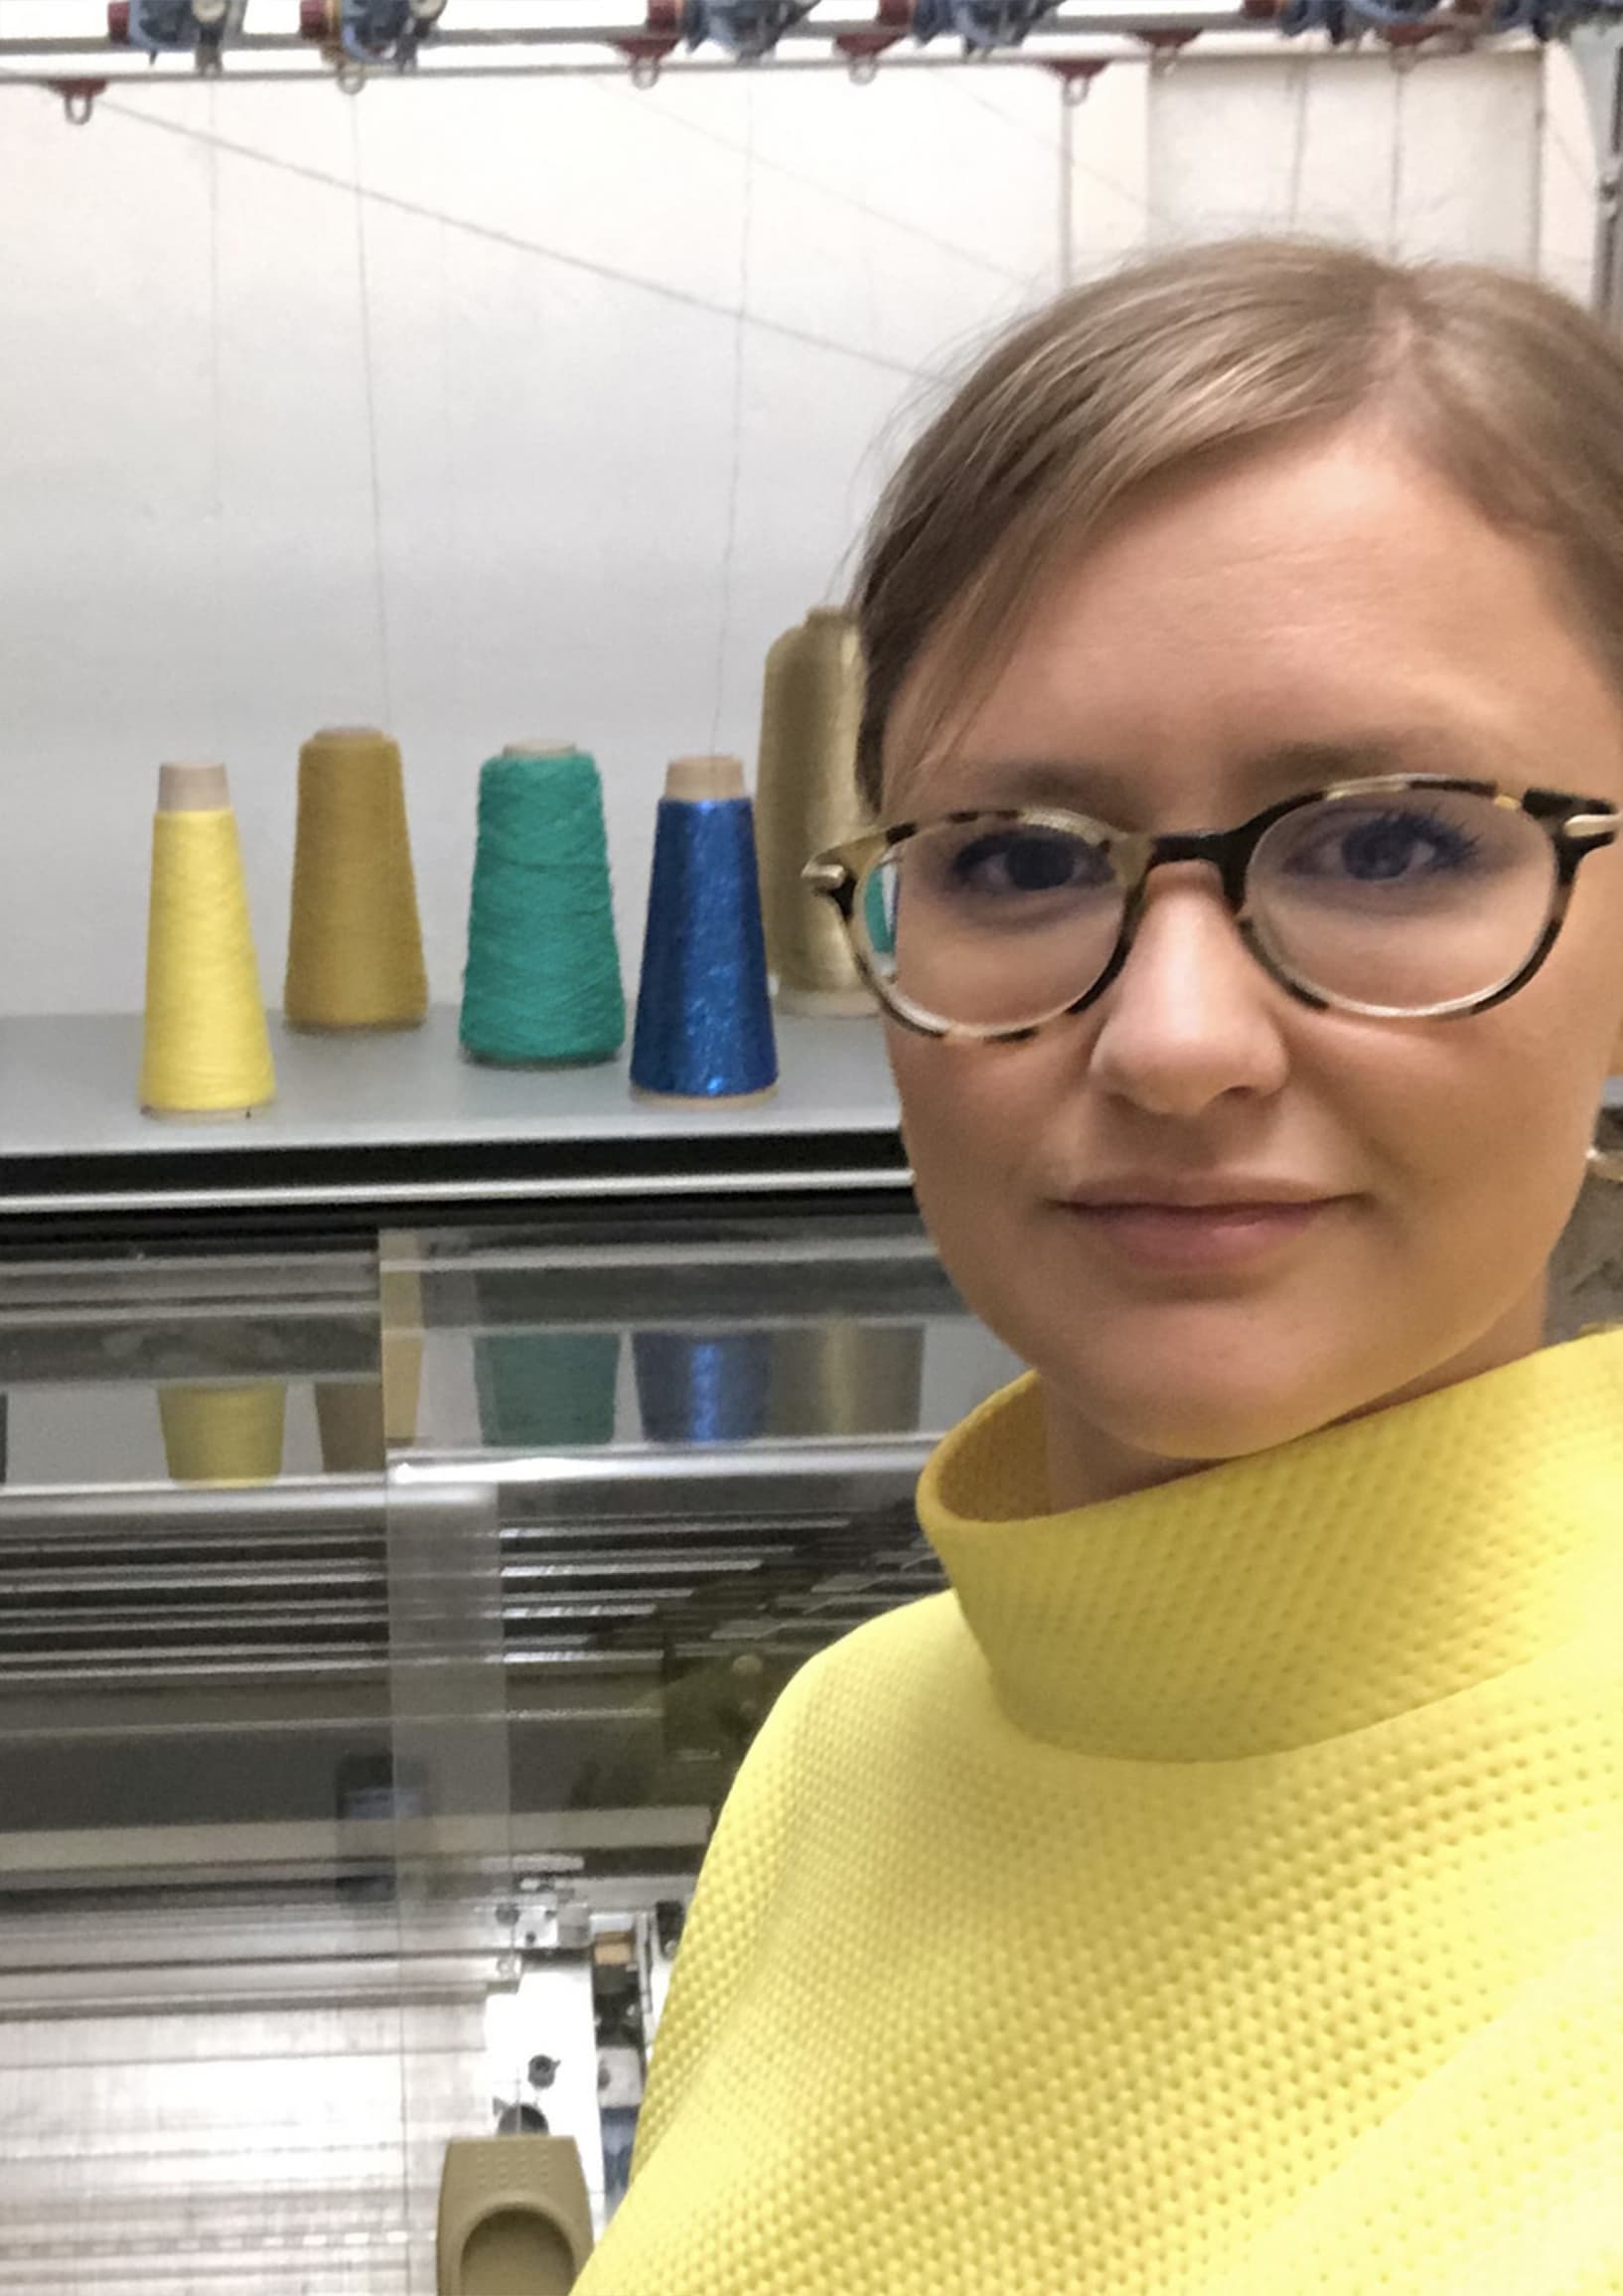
x: 971, y: 1118
x: 1474, y: 1133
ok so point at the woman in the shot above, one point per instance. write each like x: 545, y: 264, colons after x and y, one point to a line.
x: 1220, y: 1890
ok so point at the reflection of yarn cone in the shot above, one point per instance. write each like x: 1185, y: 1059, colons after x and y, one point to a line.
x: 402, y: 1386
x: 355, y: 952
x: 702, y: 1386
x: 547, y: 1390
x: 806, y: 799
x: 402, y: 1292
x: 844, y: 1377
x: 205, y: 1049
x: 514, y: 2219
x: 224, y: 1434
x: 350, y: 1422
x: 703, y: 1034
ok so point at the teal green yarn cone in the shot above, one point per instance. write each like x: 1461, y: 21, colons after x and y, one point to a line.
x: 542, y: 981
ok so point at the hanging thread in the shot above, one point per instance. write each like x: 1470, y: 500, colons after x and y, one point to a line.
x: 806, y: 799
x: 205, y: 1050
x: 542, y: 981
x: 702, y: 1386
x: 547, y: 1390
x: 355, y: 952
x: 703, y: 1031
x: 224, y: 1434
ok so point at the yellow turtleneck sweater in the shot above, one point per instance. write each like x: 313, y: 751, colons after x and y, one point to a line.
x: 1219, y: 1893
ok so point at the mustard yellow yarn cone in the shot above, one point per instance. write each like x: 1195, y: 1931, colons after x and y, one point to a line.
x: 806, y: 797
x: 224, y: 1434
x: 355, y: 952
x: 205, y: 1049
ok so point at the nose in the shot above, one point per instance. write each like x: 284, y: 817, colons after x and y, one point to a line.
x: 1192, y: 1015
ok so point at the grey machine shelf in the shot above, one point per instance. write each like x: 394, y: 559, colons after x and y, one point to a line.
x: 384, y: 1610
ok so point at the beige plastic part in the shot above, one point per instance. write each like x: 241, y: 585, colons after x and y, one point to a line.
x: 515, y: 2218
x: 546, y: 749
x: 694, y: 778
x: 192, y: 788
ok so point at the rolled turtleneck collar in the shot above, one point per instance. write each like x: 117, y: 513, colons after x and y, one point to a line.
x: 1304, y: 1592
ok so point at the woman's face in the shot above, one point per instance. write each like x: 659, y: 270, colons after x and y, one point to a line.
x: 1324, y: 610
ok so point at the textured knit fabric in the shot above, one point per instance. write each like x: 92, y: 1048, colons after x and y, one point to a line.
x: 1220, y: 1893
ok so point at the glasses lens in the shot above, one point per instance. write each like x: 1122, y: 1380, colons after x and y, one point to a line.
x: 1403, y: 900
x: 990, y: 923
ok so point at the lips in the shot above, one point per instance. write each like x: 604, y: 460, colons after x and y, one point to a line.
x: 1162, y: 1234
x: 1212, y: 1193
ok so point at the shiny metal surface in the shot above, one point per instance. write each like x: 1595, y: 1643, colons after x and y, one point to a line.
x: 335, y: 1804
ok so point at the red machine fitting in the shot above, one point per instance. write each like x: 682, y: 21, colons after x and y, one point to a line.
x: 893, y: 21
x: 1077, y: 72
x: 661, y: 34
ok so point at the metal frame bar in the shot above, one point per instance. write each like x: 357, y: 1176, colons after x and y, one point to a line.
x: 1068, y: 37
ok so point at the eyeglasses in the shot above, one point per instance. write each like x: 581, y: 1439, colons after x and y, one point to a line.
x: 1399, y: 897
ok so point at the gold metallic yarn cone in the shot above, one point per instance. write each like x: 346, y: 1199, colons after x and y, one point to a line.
x: 806, y: 799
x: 205, y: 1048
x: 355, y: 952
x: 224, y: 1434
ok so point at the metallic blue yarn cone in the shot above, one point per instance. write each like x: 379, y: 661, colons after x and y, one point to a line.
x: 704, y: 1013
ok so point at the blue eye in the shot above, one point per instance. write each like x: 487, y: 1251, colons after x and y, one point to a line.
x: 1394, y: 846
x: 1016, y: 860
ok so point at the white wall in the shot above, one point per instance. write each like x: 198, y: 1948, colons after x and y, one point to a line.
x: 600, y: 493
x: 1439, y: 159
x: 485, y: 449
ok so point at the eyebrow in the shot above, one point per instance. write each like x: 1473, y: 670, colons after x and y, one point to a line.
x: 1283, y: 768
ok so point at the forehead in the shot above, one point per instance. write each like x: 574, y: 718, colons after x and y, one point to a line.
x: 1333, y: 607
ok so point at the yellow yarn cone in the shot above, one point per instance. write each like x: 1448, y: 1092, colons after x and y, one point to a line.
x: 205, y: 1050
x: 224, y: 1434
x: 355, y: 951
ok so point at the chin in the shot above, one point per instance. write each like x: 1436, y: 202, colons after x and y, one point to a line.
x: 1201, y: 1428
x: 1202, y: 1403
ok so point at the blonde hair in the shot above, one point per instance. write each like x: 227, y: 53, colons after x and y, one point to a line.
x: 1507, y: 388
